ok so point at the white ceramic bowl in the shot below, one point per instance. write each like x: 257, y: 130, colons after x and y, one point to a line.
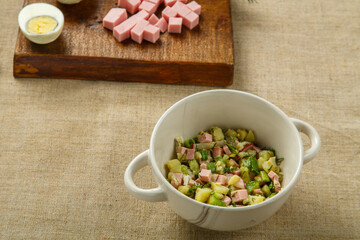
x: 227, y: 109
x: 41, y: 9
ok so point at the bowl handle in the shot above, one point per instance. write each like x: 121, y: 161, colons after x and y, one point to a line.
x: 310, y: 131
x: 150, y: 195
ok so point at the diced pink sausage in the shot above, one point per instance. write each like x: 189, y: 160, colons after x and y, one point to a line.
x: 191, y: 182
x: 237, y: 172
x: 189, y: 152
x: 148, y: 6
x: 239, y: 195
x: 217, y: 152
x: 195, y: 7
x: 183, y: 11
x: 153, y: 20
x: 132, y: 6
x: 137, y: 32
x: 122, y: 3
x: 177, y: 179
x: 205, y: 175
x: 169, y: 2
x: 203, y: 166
x: 168, y: 12
x: 174, y: 25
x: 257, y: 191
x: 214, y: 177
x: 191, y: 20
x: 199, y: 181
x: 114, y: 17
x: 277, y: 186
x: 225, y: 147
x: 181, y: 150
x: 222, y: 180
x: 177, y: 6
x: 122, y: 31
x: 226, y: 200
x: 156, y: 2
x: 273, y: 176
x: 205, y: 138
x: 151, y: 33
x: 240, y: 184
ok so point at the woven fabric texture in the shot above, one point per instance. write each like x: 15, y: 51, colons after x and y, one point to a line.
x: 65, y: 144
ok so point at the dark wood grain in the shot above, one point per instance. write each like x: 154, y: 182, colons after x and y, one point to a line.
x: 85, y: 50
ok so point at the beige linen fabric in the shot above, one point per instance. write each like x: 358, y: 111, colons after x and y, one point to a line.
x: 65, y: 144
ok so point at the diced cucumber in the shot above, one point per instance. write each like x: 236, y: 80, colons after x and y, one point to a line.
x: 266, y: 190
x: 194, y: 166
x: 220, y: 167
x: 252, y: 185
x: 245, y: 174
x: 258, y: 178
x: 215, y: 201
x: 204, y: 155
x: 189, y: 142
x: 184, y: 169
x: 202, y: 194
x: 261, y: 161
x: 264, y: 176
x: 181, y: 157
x: 271, y: 195
x: 211, y: 166
x: 198, y: 156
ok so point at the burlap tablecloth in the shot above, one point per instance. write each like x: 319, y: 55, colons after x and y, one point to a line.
x: 65, y: 144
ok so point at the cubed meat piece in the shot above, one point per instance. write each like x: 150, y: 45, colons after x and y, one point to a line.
x: 177, y: 6
x: 122, y: 31
x: 257, y: 191
x: 132, y: 6
x: 205, y: 175
x: 237, y: 172
x: 225, y: 147
x: 217, y: 152
x: 226, y: 200
x: 205, y: 138
x: 199, y: 181
x: 239, y: 195
x: 203, y: 166
x: 137, y: 32
x: 122, y: 3
x: 175, y: 24
x: 191, y: 182
x: 214, y: 177
x: 195, y: 7
x: 191, y: 20
x: 181, y: 150
x: 169, y: 3
x: 273, y: 176
x: 153, y: 20
x: 183, y: 11
x: 222, y: 180
x: 148, y: 6
x: 168, y: 12
x: 277, y: 186
x: 156, y: 2
x: 177, y: 180
x: 114, y: 17
x: 190, y: 153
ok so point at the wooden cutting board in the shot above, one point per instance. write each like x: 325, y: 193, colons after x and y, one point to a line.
x: 86, y: 50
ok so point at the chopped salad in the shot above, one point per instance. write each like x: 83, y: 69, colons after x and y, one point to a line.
x: 225, y: 168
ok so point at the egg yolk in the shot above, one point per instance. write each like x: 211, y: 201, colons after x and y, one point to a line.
x: 42, y: 24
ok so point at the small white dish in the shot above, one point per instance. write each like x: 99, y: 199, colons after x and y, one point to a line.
x: 36, y: 10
